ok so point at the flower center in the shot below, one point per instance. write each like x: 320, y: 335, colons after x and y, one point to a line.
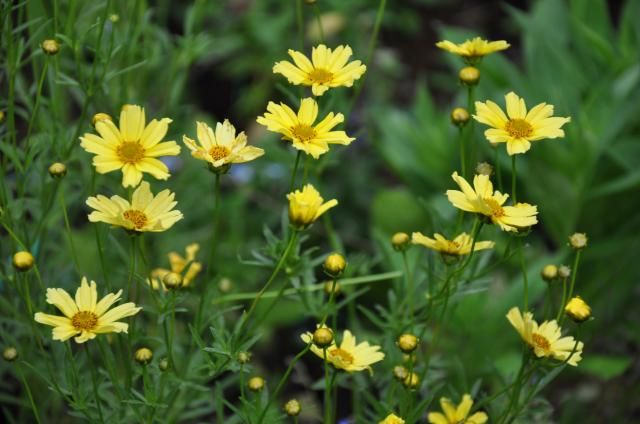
x: 518, y: 128
x: 84, y: 320
x: 303, y: 132
x: 541, y: 341
x: 320, y: 76
x: 219, y: 152
x: 342, y: 355
x: 496, y: 209
x: 130, y: 152
x: 138, y: 218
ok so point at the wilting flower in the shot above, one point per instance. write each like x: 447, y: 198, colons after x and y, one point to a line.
x: 461, y: 245
x: 85, y: 317
x: 222, y: 147
x: 392, y: 419
x: 133, y: 148
x: 307, y: 205
x: 457, y: 414
x: 313, y: 140
x: 520, y: 128
x: 146, y: 212
x: 475, y: 49
x: 178, y: 265
x: 349, y: 356
x: 545, y: 339
x: 326, y: 69
x: 483, y: 200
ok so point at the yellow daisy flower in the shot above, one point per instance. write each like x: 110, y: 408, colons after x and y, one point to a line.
x: 457, y: 414
x: 349, y: 356
x: 85, y: 317
x: 473, y: 50
x: 222, y: 147
x: 146, y: 212
x: 178, y: 265
x: 483, y: 200
x: 392, y: 419
x: 313, y: 140
x: 133, y: 148
x: 520, y: 128
x: 461, y: 245
x: 545, y: 339
x: 326, y: 69
x: 307, y: 205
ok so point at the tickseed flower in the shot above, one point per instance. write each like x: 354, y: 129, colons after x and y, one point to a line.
x: 306, y: 206
x: 484, y: 168
x: 178, y: 264
x: 545, y: 339
x: 23, y: 261
x: 143, y: 355
x: 520, y: 128
x: 392, y: 419
x: 577, y: 309
x: 331, y: 286
x: 222, y: 148
x: 349, y: 356
x: 10, y: 353
x: 326, y: 69
x: 407, y: 342
x: 292, y: 408
x: 578, y: 240
x: 146, y: 212
x: 100, y: 116
x: 481, y: 199
x: 400, y: 241
x: 400, y: 372
x: 256, y: 384
x: 460, y: 116
x: 457, y: 414
x: 469, y: 76
x: 50, y: 47
x: 473, y: 50
x: 133, y: 148
x: 299, y: 128
x: 334, y: 265
x: 564, y: 271
x: 411, y: 381
x: 461, y: 245
x: 549, y: 272
x: 57, y: 170
x: 244, y: 357
x: 85, y: 317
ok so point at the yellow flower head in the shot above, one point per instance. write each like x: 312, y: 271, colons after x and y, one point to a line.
x: 461, y: 245
x: 457, y: 414
x: 483, y: 200
x: 349, y: 356
x: 577, y: 309
x: 133, y: 148
x: 545, y: 339
x: 146, y: 212
x: 222, y: 147
x: 520, y: 128
x: 392, y: 419
x: 299, y: 128
x: 473, y: 50
x: 178, y: 265
x: 326, y: 69
x: 85, y: 317
x: 307, y: 205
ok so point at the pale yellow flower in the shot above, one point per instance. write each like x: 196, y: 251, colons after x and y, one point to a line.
x: 326, y: 69
x: 475, y: 49
x: 481, y: 199
x: 312, y: 139
x: 178, y: 264
x: 545, y: 339
x: 85, y: 317
x: 457, y: 414
x: 461, y: 245
x: 520, y: 128
x: 145, y: 212
x: 392, y: 419
x: 133, y: 147
x: 222, y: 147
x: 307, y: 205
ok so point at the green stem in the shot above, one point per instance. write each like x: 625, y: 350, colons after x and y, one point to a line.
x: 300, y: 23
x: 316, y: 11
x: 498, y: 169
x: 94, y: 382
x: 29, y: 394
x: 574, y: 272
x: 463, y: 160
x: 34, y: 112
x: 216, y: 219
x: 294, y: 171
x: 563, y: 302
x: 332, y: 296
x: 525, y: 278
x: 409, y: 282
x: 513, y: 399
x: 471, y: 125
x: 513, y: 179
x: 305, y: 173
x: 327, y: 389
x: 68, y: 229
x: 103, y: 265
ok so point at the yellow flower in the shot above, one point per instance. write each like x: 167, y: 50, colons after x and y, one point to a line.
x: 222, y: 147
x: 307, y: 205
x: 326, y: 69
x: 133, y: 148
x: 178, y: 265
x: 392, y: 419
x: 457, y: 414
x: 577, y: 309
x: 475, y: 49
x: 349, y: 356
x: 483, y: 200
x: 521, y: 127
x: 461, y: 245
x: 313, y: 140
x: 85, y: 317
x: 146, y: 212
x: 545, y: 339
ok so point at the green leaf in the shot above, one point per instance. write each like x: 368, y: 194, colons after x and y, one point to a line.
x: 605, y: 366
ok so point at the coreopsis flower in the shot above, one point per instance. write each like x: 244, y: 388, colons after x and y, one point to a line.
x: 457, y: 414
x: 461, y: 245
x: 349, y: 356
x: 145, y: 212
x: 223, y: 147
x: 299, y: 128
x: 326, y: 69
x: 577, y: 309
x: 85, y: 317
x: 133, y: 147
x: 481, y: 199
x: 473, y: 50
x: 392, y: 419
x: 520, y: 127
x: 545, y: 339
x: 307, y: 205
x: 178, y: 265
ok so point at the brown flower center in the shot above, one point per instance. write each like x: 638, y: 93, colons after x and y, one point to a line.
x: 344, y: 356
x: 518, y: 128
x: 138, y: 218
x: 130, y: 152
x: 303, y: 132
x: 219, y: 152
x: 84, y: 320
x: 541, y: 341
x: 496, y: 209
x: 452, y: 247
x: 320, y: 76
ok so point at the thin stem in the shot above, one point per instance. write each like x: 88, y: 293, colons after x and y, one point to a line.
x: 29, y: 394
x: 332, y: 296
x: 409, y: 282
x: 94, y: 382
x: 574, y: 272
x: 305, y: 173
x: 103, y: 265
x: 214, y: 230
x: 68, y: 229
x: 43, y: 74
x: 525, y: 278
x: 463, y: 160
x: 563, y: 302
x: 513, y: 179
x: 327, y: 389
x: 300, y: 23
x: 316, y: 11
x: 294, y: 171
x: 471, y: 124
x: 496, y: 160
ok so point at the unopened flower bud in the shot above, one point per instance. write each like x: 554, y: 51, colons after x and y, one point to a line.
x: 23, y: 261
x: 578, y: 240
x: 10, y: 354
x: 411, y: 381
x: 114, y: 18
x: 50, y: 47
x: 407, y: 343
x: 292, y: 408
x: 400, y: 372
x: 469, y: 75
x: 577, y: 309
x: 172, y: 280
x: 244, y: 357
x: 57, y: 170
x: 143, y: 355
x: 323, y: 337
x: 564, y: 271
x: 334, y: 265
x: 310, y: 2
x: 163, y: 364
x: 483, y: 168
x: 1, y: 116
x: 332, y: 286
x: 549, y: 272
x: 225, y: 285
x: 98, y: 117
x: 460, y: 116
x: 256, y: 384
x: 400, y: 241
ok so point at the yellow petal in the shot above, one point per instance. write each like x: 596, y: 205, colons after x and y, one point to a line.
x: 132, y: 122
x: 155, y: 132
x: 86, y: 295
x: 61, y: 300
x: 516, y: 108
